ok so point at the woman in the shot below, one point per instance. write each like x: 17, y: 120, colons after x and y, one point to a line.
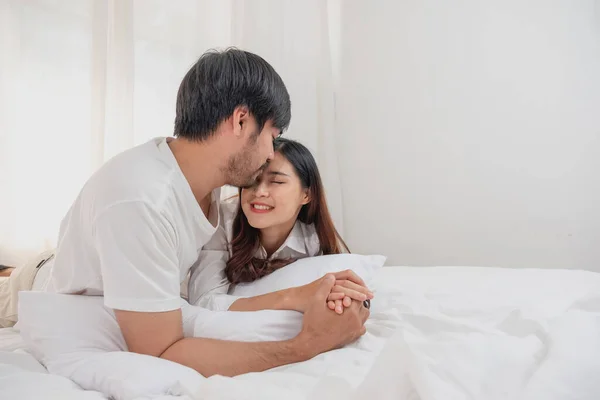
x: 281, y: 218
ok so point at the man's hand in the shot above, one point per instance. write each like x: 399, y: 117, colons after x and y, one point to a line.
x: 352, y: 287
x: 323, y: 330
x: 347, y: 287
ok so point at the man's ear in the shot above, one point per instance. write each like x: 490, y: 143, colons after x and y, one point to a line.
x: 241, y: 120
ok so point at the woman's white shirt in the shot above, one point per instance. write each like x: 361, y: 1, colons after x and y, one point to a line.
x: 209, y: 287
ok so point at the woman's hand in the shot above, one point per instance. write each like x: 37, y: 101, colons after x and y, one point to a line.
x: 348, y: 286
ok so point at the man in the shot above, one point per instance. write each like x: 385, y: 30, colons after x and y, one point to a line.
x: 140, y: 222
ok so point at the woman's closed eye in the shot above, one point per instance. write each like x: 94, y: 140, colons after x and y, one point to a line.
x: 278, y: 182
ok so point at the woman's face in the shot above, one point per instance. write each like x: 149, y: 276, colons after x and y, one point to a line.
x: 277, y: 196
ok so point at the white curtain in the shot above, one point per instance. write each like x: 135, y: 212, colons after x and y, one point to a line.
x: 82, y: 80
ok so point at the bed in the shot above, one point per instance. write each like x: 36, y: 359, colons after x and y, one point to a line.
x: 434, y: 333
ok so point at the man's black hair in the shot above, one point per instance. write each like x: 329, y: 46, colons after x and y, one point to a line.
x: 219, y: 82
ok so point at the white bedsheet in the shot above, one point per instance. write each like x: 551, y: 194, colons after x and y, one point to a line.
x: 434, y: 333
x: 23, y: 377
x: 10, y: 340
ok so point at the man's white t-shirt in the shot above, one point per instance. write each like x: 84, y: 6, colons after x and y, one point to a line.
x: 133, y: 233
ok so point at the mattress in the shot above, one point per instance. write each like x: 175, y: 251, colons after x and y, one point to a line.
x: 434, y: 333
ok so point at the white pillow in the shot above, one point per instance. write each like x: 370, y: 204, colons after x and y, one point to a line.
x: 307, y: 270
x: 254, y: 326
x: 77, y: 337
x: 54, y: 324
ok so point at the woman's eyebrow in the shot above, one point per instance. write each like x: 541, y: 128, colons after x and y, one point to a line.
x: 277, y: 173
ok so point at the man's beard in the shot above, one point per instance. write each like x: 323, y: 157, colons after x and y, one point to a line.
x: 254, y: 178
x: 240, y: 170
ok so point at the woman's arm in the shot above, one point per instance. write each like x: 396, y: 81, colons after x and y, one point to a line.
x: 348, y: 285
x: 218, y: 300
x: 280, y: 300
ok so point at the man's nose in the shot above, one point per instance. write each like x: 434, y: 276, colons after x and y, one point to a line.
x: 271, y: 152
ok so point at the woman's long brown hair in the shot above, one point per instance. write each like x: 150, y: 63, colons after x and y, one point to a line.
x: 242, y: 265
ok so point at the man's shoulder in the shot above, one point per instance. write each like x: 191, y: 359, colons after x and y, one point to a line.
x: 139, y: 174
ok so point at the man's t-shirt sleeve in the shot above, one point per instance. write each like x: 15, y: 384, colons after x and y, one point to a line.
x: 137, y: 248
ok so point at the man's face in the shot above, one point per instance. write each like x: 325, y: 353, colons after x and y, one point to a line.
x: 244, y: 167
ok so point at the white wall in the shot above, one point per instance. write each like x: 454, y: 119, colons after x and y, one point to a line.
x: 469, y: 131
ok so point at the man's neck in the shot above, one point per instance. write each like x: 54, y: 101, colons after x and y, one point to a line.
x: 201, y: 164
x: 274, y: 237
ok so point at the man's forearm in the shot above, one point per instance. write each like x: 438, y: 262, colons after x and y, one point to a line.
x: 280, y: 300
x: 219, y: 357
